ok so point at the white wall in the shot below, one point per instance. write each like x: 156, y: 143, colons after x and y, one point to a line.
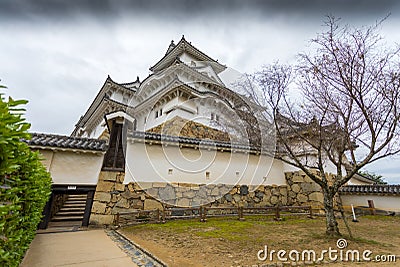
x: 388, y: 203
x: 156, y: 163
x: 67, y: 167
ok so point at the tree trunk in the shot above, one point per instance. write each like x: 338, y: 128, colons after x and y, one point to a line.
x: 332, y: 228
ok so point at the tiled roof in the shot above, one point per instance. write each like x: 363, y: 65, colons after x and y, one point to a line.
x: 371, y: 189
x: 67, y: 142
x: 182, y: 141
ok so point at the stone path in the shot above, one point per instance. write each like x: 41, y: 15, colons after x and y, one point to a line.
x: 82, y: 248
x: 137, y: 254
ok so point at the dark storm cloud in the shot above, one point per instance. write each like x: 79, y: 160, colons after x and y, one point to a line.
x: 64, y: 9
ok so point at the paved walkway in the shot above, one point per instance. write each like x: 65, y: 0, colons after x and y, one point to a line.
x: 82, y: 248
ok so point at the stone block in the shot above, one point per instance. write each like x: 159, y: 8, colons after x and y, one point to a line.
x: 167, y: 193
x: 244, y: 190
x: 108, y: 176
x: 131, y: 187
x: 104, y: 186
x: 275, y: 191
x: 316, y: 196
x: 99, y: 207
x: 297, y: 178
x: 302, y: 198
x: 130, y: 195
x: 189, y: 193
x: 159, y: 184
x: 236, y: 198
x: 115, y: 198
x: 195, y: 187
x: 152, y: 192
x: 119, y: 187
x: 183, y: 202
x: 228, y: 197
x: 120, y: 177
x: 296, y: 188
x: 143, y: 185
x: 102, y: 196
x: 308, y: 179
x: 215, y: 192
x: 122, y: 203
x: 307, y: 187
x: 283, y: 190
x: 151, y: 204
x: 274, y: 200
x: 97, y: 219
x: 259, y: 194
x: 137, y: 204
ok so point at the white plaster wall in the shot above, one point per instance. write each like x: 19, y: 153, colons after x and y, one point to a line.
x: 311, y: 160
x: 155, y: 163
x: 67, y: 167
x: 388, y: 203
x: 47, y: 158
x: 354, y: 181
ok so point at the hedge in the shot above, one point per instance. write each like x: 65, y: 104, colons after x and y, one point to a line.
x: 25, y: 185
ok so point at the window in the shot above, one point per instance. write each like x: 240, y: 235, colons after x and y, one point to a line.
x: 207, y: 175
x: 169, y: 171
x: 156, y: 114
x: 212, y: 116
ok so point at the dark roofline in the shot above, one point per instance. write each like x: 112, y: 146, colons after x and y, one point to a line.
x: 96, y: 103
x: 41, y: 140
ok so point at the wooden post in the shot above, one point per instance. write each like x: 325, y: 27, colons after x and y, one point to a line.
x: 163, y: 216
x: 240, y: 212
x: 88, y: 208
x: 311, y: 214
x: 371, y: 206
x: 202, y: 214
x: 277, y: 213
x: 158, y: 216
x: 116, y: 219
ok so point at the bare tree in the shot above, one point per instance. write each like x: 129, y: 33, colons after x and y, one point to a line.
x: 350, y: 98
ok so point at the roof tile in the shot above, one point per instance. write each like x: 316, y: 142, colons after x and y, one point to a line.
x: 61, y: 141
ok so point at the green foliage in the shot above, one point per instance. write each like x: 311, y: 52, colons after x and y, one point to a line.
x: 378, y: 179
x: 25, y: 185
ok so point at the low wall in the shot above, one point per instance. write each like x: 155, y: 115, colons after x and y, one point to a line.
x: 303, y: 190
x: 387, y: 203
x: 112, y: 196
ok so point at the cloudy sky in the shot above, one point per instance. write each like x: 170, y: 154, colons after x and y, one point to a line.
x: 57, y: 54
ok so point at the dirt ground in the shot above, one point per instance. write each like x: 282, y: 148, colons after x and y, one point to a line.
x: 229, y: 242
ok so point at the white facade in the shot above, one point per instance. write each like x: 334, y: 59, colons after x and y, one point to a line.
x: 171, y: 163
x: 185, y: 84
x: 72, y: 167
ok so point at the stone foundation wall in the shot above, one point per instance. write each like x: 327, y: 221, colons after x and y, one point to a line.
x: 112, y: 196
x: 303, y: 190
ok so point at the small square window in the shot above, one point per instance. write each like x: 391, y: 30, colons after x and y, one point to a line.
x: 207, y: 175
x: 169, y: 171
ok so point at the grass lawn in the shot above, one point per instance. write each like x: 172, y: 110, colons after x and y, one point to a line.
x: 229, y: 242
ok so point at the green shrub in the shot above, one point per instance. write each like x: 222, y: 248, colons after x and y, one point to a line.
x: 25, y: 185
